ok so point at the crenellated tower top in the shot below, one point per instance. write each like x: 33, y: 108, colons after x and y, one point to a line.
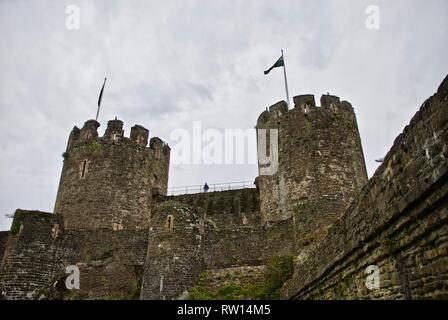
x: 320, y: 163
x: 108, y: 181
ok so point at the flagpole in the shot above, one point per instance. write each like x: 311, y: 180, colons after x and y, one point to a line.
x: 97, y: 113
x: 286, y: 81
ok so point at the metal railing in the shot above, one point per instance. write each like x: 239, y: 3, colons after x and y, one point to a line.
x: 225, y: 186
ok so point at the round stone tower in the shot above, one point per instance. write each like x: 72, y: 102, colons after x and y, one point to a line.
x: 317, y: 164
x: 109, y: 181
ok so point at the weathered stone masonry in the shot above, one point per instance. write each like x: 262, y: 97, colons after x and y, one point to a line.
x: 114, y: 221
x: 320, y: 165
x: 398, y: 223
x: 191, y: 234
x: 100, y: 223
x: 30, y: 259
x: 226, y: 208
x: 108, y: 182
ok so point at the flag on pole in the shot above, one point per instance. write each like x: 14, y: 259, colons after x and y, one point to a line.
x: 279, y: 63
x: 100, y: 98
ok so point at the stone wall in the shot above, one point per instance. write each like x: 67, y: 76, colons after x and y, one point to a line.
x: 160, y: 166
x: 234, y: 234
x: 247, y: 245
x: 174, y: 260
x: 130, y: 241
x: 108, y: 182
x: 320, y: 165
x: 110, y: 262
x: 397, y: 223
x: 184, y: 243
x: 232, y: 247
x: 3, y: 240
x: 225, y: 208
x: 39, y: 250
x: 29, y: 259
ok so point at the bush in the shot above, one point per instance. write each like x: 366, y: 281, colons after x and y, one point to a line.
x: 278, y: 270
x: 199, y: 291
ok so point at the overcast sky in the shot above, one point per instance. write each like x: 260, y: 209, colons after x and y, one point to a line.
x: 170, y: 63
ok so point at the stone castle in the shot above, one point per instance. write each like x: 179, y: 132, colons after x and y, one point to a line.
x: 114, y: 220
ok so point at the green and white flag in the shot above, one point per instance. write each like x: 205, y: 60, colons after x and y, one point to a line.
x: 279, y: 63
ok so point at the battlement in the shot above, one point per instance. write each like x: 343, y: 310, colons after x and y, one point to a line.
x: 306, y: 104
x: 304, y: 99
x: 108, y: 181
x: 320, y: 164
x: 156, y: 143
x: 114, y: 131
x: 140, y: 135
x: 114, y: 134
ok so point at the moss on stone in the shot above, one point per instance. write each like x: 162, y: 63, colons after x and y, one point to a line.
x: 390, y: 245
x: 95, y: 148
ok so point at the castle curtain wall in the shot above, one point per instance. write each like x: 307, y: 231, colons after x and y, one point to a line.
x: 399, y: 223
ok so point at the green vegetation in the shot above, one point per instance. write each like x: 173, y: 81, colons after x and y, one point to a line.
x: 278, y: 270
x: 74, y: 295
x: 117, y: 295
x: 95, y: 148
x: 65, y: 155
x: 199, y: 291
x: 390, y: 245
x: 109, y: 253
x: 135, y: 290
x: 15, y: 227
x: 133, y: 294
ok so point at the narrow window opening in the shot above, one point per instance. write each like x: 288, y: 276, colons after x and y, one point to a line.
x: 169, y: 222
x: 83, y: 170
